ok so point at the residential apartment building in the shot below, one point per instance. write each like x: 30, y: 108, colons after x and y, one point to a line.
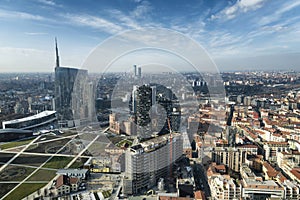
x: 223, y: 187
x: 232, y: 157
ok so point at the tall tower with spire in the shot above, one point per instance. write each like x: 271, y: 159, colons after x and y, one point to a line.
x: 56, y: 51
x: 72, y: 100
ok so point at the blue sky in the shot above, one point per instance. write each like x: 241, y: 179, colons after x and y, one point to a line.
x: 238, y: 35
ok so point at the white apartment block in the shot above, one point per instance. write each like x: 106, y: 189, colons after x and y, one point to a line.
x: 223, y: 187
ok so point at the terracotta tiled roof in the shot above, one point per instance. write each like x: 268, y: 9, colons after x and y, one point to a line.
x: 173, y: 198
x: 296, y: 172
x: 62, y: 180
x: 199, y: 195
x: 278, y: 135
x: 296, y: 152
x: 260, y: 132
x: 277, y: 143
x: 248, y: 146
x: 270, y: 170
x: 281, y: 177
x: 267, y: 121
x: 74, y: 180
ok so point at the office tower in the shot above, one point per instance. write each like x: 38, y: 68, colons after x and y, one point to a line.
x: 134, y: 70
x: 153, y: 98
x: 148, y: 161
x: 91, y: 96
x: 168, y: 100
x: 133, y: 99
x: 150, y: 107
x: 69, y: 92
x: 143, y: 105
x: 174, y: 117
x: 83, y: 99
x: 139, y: 72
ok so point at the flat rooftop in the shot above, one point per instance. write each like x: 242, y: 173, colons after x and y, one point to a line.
x: 62, y: 171
x: 154, y: 143
x: 267, y: 184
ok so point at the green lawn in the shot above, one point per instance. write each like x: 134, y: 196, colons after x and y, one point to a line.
x: 58, y: 162
x: 43, y: 175
x: 78, y: 163
x: 15, y: 173
x: 96, y: 148
x: 115, y: 139
x: 122, y: 143
x: 15, y: 144
x: 5, y: 188
x: 31, y: 160
x: 24, y: 190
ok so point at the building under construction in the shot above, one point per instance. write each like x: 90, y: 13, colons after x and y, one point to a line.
x: 148, y: 161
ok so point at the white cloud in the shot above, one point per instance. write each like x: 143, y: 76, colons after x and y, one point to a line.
x: 278, y: 13
x: 124, y: 20
x: 48, y: 2
x: 115, y: 21
x: 142, y: 10
x: 136, y: 1
x: 290, y: 6
x: 247, y: 5
x: 19, y: 15
x: 35, y: 33
x: 195, y: 28
x: 241, y: 6
x: 24, y: 51
x: 94, y: 22
x: 137, y: 19
x: 275, y: 28
x: 222, y: 44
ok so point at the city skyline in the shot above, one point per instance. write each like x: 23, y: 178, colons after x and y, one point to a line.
x: 238, y: 35
x: 150, y: 99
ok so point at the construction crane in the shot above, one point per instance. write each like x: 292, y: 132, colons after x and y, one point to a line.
x: 171, y: 148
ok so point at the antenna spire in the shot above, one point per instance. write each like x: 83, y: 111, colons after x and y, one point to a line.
x: 56, y: 51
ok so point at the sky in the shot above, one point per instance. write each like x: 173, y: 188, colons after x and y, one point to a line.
x: 237, y: 35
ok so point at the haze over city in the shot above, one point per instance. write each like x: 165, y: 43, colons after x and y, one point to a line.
x: 238, y: 35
